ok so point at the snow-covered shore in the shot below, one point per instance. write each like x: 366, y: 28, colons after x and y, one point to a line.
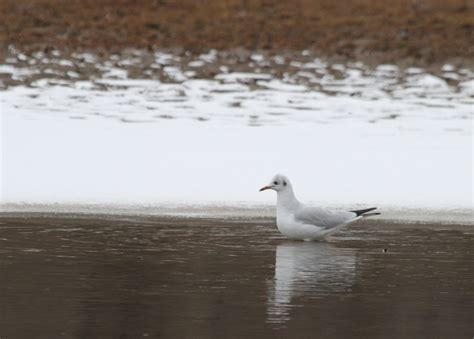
x: 390, y: 137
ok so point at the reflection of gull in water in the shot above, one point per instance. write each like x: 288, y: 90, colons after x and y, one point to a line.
x: 310, y: 269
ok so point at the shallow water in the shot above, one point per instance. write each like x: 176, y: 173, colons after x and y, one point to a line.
x: 130, y: 277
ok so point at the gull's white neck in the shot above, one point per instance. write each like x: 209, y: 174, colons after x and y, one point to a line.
x: 286, y: 200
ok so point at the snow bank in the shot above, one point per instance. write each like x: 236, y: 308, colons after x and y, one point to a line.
x: 363, y: 139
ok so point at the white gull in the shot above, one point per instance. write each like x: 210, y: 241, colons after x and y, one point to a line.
x: 300, y: 222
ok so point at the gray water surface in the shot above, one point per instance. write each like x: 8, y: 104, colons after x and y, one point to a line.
x: 72, y: 276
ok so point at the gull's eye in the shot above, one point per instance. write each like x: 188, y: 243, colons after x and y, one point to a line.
x: 284, y: 183
x: 275, y: 182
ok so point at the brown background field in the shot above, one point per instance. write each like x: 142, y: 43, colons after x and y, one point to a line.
x: 423, y: 31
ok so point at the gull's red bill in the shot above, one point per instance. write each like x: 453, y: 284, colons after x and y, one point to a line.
x: 265, y: 188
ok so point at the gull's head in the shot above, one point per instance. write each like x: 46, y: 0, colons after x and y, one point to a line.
x: 279, y: 183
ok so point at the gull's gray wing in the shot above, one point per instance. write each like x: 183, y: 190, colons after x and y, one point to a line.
x: 323, y: 218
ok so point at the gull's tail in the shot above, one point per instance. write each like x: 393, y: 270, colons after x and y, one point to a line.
x: 363, y: 213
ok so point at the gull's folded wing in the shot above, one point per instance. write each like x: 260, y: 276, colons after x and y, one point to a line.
x: 322, y: 217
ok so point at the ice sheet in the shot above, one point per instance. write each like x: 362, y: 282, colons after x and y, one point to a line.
x: 50, y: 159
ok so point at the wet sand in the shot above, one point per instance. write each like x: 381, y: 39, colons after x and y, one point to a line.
x: 91, y: 276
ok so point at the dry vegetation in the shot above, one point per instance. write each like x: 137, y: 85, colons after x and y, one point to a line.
x: 424, y: 31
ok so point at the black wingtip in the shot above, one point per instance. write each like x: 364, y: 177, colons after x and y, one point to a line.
x: 363, y: 211
x: 370, y: 214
